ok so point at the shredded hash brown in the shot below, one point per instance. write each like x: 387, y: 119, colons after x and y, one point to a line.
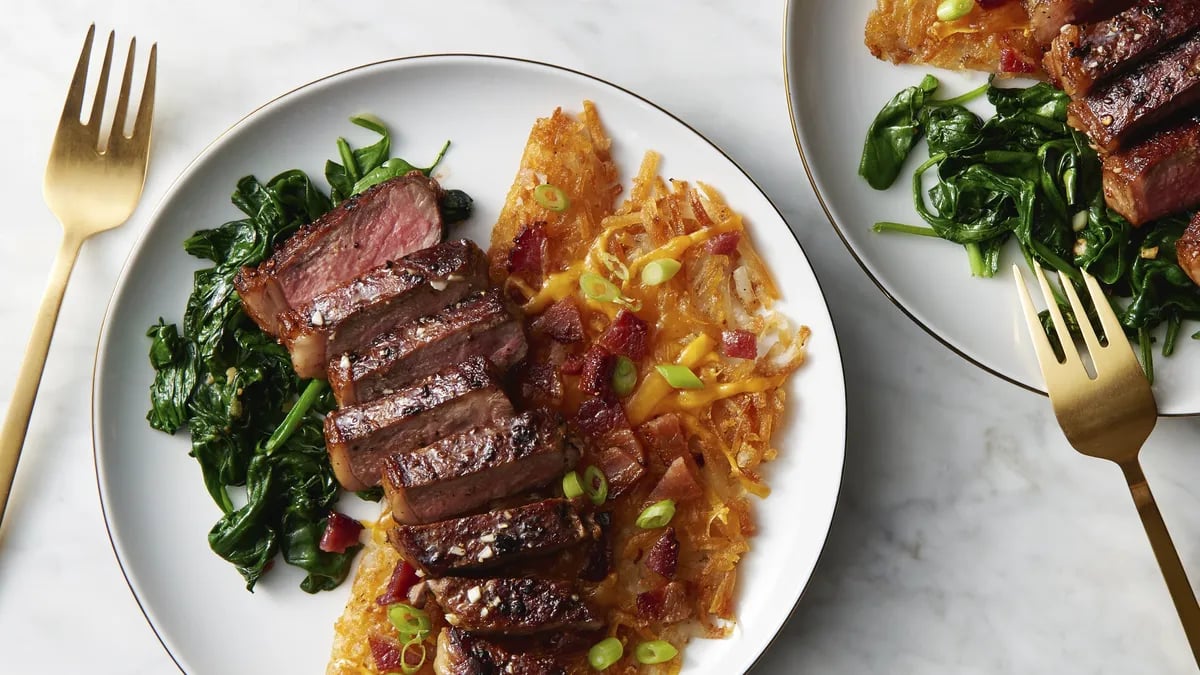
x: 729, y: 425
x: 908, y: 31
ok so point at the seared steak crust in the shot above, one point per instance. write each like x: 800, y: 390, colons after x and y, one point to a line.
x: 1156, y: 177
x: 359, y: 437
x: 1047, y: 17
x: 493, y: 538
x: 386, y: 222
x: 460, y: 653
x: 512, y: 606
x: 481, y: 324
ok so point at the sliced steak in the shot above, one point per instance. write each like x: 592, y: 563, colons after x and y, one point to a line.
x: 493, y: 538
x: 353, y: 314
x: 386, y: 222
x: 512, y: 606
x: 359, y: 437
x: 464, y: 472
x: 1138, y: 100
x: 1083, y: 56
x: 479, y: 325
x: 1156, y: 177
x: 1187, y: 249
x: 460, y: 653
x: 1047, y: 17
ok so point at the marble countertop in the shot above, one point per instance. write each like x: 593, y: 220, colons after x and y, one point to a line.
x: 970, y: 538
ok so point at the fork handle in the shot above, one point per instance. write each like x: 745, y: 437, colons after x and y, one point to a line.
x: 16, y: 421
x: 1168, y: 557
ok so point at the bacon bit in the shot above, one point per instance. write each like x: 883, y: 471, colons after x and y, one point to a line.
x: 650, y: 603
x: 664, y: 555
x: 668, y: 604
x: 600, y: 554
x: 341, y: 532
x: 679, y: 483
x: 622, y: 470
x: 724, y: 244
x: 739, y: 344
x: 560, y: 322
x: 598, y: 416
x: 627, y: 335
x: 387, y: 652
x: 404, y: 577
x: 572, y: 365
x: 1011, y: 62
x: 528, y: 248
x: 596, y: 376
x: 539, y: 383
x: 664, y: 435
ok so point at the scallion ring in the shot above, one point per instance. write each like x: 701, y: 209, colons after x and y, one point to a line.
x: 571, y: 485
x: 595, y: 485
x: 657, y: 514
x: 410, y: 622
x: 680, y: 377
x: 406, y: 664
x: 953, y: 10
x: 605, y: 653
x: 655, y: 651
x: 595, y: 287
x: 660, y: 271
x: 551, y: 197
x: 624, y: 377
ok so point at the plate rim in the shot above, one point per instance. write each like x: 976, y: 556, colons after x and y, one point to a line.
x: 208, y: 147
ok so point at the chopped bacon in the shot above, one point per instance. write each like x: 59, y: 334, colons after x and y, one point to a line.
x: 678, y: 484
x: 724, y: 244
x: 664, y: 555
x: 739, y: 344
x: 528, y: 248
x: 598, y: 416
x: 668, y: 604
x: 597, y: 374
x: 622, y: 470
x: 387, y: 652
x: 561, y: 322
x: 600, y: 553
x: 664, y: 435
x: 572, y: 365
x: 539, y: 383
x: 341, y: 532
x: 404, y: 577
x: 627, y: 335
x: 1012, y: 62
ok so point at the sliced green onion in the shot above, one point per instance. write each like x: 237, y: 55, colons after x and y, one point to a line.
x: 624, y: 376
x: 551, y: 197
x: 572, y: 486
x: 657, y: 514
x: 953, y: 10
x: 655, y: 651
x: 406, y: 664
x: 680, y: 377
x: 410, y: 622
x: 605, y: 653
x: 660, y: 271
x: 595, y: 485
x: 596, y: 287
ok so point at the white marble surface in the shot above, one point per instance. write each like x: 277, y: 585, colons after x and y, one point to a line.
x: 970, y: 538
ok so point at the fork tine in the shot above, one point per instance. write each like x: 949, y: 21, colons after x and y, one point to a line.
x: 1046, y: 357
x: 118, y: 125
x: 97, y: 115
x: 1081, y: 317
x: 1114, y: 332
x: 73, y: 108
x: 1070, y: 353
x: 145, y: 114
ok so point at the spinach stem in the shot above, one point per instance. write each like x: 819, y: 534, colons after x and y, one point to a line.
x: 887, y: 226
x: 1147, y: 353
x: 975, y: 256
x: 296, y: 415
x: 964, y: 98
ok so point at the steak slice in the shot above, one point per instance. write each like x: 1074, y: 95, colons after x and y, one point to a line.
x: 359, y: 437
x: 1047, y: 17
x: 1187, y: 249
x: 464, y: 472
x: 512, y: 606
x: 395, y: 293
x: 386, y: 222
x: 1141, y: 98
x: 1156, y: 177
x: 1083, y: 56
x: 493, y: 538
x: 460, y: 653
x: 479, y: 325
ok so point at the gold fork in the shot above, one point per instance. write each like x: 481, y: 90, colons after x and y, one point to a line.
x: 1109, y: 416
x: 92, y: 184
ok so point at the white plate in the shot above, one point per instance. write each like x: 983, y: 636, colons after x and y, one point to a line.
x: 835, y: 89
x: 154, y: 501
